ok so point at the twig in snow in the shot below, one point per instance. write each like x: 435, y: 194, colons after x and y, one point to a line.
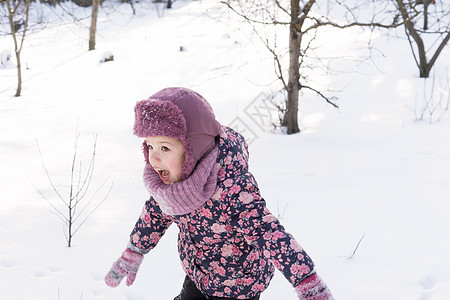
x: 356, y: 248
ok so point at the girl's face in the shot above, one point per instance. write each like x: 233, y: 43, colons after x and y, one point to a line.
x: 166, y: 156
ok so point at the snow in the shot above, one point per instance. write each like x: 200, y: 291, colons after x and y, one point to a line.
x: 370, y: 171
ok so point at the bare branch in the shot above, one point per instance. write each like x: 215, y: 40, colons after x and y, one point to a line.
x: 57, y: 211
x: 93, y: 210
x: 89, y: 173
x: 279, y: 68
x: 439, y: 50
x: 328, y: 100
x: 272, y: 22
x: 49, y: 178
x: 282, y: 8
x: 320, y: 23
x: 90, y: 200
x: 74, y: 157
x: 411, y: 47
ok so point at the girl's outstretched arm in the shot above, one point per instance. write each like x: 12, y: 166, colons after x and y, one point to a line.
x: 264, y: 230
x: 149, y: 228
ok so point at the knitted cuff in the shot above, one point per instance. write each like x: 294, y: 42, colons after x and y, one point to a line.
x: 137, y: 249
x: 313, y: 288
x: 132, y: 258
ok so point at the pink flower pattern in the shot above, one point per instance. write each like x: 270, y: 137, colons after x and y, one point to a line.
x: 231, y: 245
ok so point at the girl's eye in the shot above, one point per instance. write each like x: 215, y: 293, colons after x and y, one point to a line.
x: 164, y: 148
x: 149, y: 147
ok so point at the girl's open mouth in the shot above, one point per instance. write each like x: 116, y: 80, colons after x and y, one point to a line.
x: 163, y: 174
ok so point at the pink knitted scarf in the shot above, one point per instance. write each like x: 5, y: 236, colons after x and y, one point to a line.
x: 185, y: 196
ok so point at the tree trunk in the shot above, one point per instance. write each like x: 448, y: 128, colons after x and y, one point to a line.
x: 298, y: 16
x: 11, y: 13
x: 19, y: 75
x: 17, y: 52
x: 293, y: 87
x: 424, y: 69
x: 93, y: 29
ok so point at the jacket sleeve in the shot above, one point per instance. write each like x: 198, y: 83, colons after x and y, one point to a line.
x: 149, y: 228
x: 264, y: 231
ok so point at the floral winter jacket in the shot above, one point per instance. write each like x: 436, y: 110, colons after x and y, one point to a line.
x: 230, y: 245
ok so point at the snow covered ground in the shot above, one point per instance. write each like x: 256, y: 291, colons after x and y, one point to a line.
x: 369, y: 170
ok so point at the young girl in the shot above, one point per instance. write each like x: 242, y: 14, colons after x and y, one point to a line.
x: 196, y: 172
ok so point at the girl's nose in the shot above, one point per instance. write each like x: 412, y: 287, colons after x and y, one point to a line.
x: 153, y: 157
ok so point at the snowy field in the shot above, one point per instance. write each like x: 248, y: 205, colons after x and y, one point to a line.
x: 368, y: 172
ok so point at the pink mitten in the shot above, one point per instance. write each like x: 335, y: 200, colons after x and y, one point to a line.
x: 313, y: 288
x: 127, y: 265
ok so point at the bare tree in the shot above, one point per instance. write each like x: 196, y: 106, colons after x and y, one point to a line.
x: 18, y: 12
x: 436, y: 28
x: 74, y: 214
x: 305, y: 21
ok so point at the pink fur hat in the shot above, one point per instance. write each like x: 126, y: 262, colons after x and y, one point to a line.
x: 182, y: 114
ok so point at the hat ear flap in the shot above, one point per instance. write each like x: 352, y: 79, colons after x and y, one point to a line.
x: 145, y: 150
